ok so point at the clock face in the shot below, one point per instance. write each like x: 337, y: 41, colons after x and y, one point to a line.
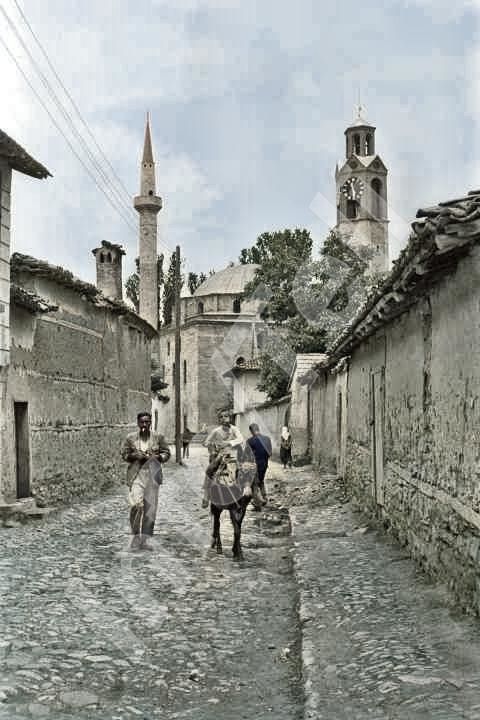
x: 353, y: 188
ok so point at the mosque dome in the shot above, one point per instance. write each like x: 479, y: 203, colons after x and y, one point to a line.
x: 230, y: 281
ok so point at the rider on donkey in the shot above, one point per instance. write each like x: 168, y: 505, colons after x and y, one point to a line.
x: 229, y: 479
x: 221, y: 443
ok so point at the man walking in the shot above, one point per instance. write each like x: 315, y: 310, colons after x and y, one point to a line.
x: 144, y: 451
x: 187, y: 436
x: 262, y: 449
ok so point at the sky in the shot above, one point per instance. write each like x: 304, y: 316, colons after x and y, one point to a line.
x: 248, y: 100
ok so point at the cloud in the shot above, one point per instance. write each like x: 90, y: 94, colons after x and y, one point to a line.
x: 444, y: 11
x: 249, y: 102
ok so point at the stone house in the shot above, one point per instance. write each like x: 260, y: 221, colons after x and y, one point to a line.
x: 74, y: 366
x: 79, y: 372
x: 396, y: 408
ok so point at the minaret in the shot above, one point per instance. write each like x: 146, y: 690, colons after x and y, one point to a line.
x: 361, y: 182
x: 148, y: 205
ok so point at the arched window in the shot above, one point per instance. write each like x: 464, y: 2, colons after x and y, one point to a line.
x: 236, y: 306
x: 352, y: 209
x: 356, y: 144
x: 109, y: 257
x: 102, y: 258
x: 368, y: 145
x: 377, y: 204
x: 240, y: 361
x: 200, y: 307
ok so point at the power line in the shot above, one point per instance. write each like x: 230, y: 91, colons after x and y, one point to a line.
x: 77, y: 110
x: 69, y: 96
x: 96, y: 165
x: 66, y: 115
x: 40, y: 100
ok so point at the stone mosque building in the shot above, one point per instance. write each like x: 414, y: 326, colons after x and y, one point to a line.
x: 219, y: 330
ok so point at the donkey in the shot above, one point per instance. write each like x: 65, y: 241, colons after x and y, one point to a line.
x: 230, y: 489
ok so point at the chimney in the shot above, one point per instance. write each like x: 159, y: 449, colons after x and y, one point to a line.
x: 109, y: 269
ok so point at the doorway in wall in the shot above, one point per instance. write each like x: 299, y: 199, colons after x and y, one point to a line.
x: 22, y: 448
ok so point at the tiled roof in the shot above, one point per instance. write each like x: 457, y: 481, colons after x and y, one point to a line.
x: 443, y: 235
x: 24, y: 264
x: 19, y: 159
x: 29, y: 300
x: 252, y: 364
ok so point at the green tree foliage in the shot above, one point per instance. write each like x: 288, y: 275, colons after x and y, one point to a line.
x: 132, y: 284
x: 169, y: 292
x: 308, y: 301
x: 279, y: 255
x: 194, y: 281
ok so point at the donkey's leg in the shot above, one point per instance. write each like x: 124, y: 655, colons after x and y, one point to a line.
x: 236, y: 516
x: 216, y: 539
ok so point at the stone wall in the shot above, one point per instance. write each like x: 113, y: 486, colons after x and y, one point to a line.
x: 209, y: 348
x: 411, y: 452
x: 85, y: 373
x: 5, y: 184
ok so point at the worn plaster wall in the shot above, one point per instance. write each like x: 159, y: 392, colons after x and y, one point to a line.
x: 5, y: 186
x: 300, y: 415
x: 245, y: 391
x: 219, y: 346
x: 189, y: 381
x: 425, y: 484
x: 270, y: 418
x: 324, y: 436
x: 85, y: 374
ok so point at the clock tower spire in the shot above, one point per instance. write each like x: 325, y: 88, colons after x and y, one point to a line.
x: 361, y: 183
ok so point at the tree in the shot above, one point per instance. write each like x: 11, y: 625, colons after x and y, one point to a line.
x: 279, y: 254
x: 132, y: 284
x: 308, y: 302
x: 169, y: 290
x: 194, y: 281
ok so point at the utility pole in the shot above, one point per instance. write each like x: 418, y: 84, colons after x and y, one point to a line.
x: 178, y: 409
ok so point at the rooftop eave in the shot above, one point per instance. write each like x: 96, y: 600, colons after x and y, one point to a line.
x: 19, y: 160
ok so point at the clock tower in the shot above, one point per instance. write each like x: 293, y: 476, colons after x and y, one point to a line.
x: 361, y: 183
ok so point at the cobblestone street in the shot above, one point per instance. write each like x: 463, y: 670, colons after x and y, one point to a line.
x: 379, y: 641
x: 92, y: 631
x: 332, y: 623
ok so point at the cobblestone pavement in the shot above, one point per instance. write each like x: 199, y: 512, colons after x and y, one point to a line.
x: 91, y: 631
x: 379, y: 640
